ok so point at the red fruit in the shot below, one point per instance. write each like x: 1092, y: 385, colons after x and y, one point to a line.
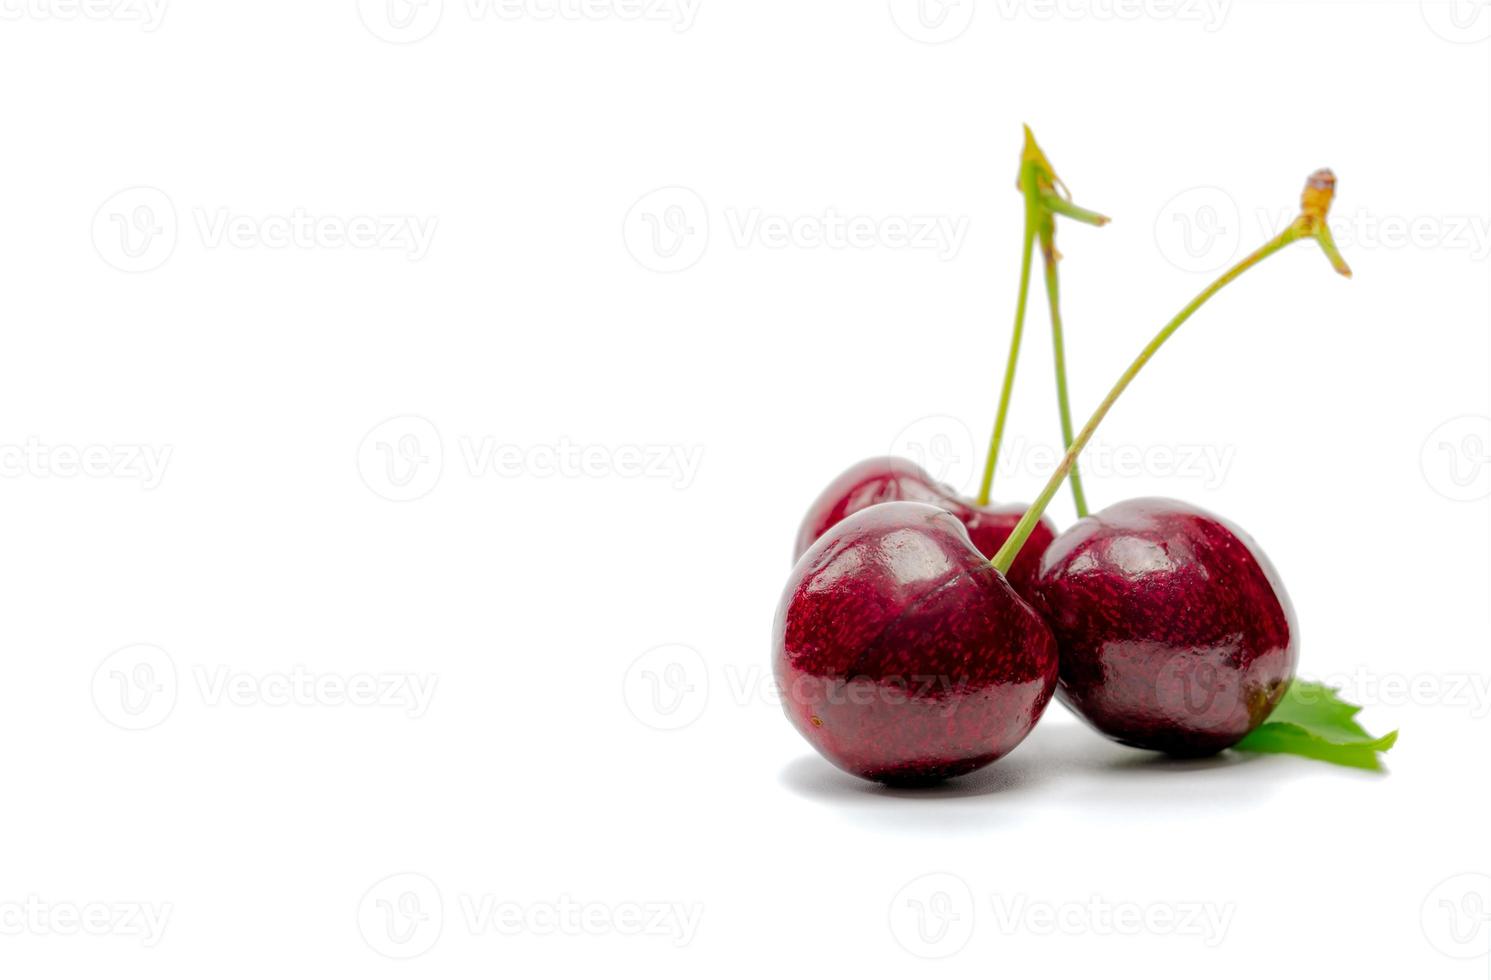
x: 902, y: 655
x: 887, y: 478
x: 1175, y: 631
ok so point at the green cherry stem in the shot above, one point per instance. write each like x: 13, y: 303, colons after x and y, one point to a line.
x: 1311, y: 223
x: 1055, y: 202
x: 1044, y: 196
x: 1032, y: 208
x: 1049, y: 259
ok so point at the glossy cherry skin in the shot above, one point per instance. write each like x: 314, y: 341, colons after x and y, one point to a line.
x: 1174, y: 630
x: 887, y: 478
x: 902, y: 655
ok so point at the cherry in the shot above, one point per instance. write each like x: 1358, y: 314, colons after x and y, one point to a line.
x: 902, y: 655
x: 887, y: 478
x: 1175, y: 631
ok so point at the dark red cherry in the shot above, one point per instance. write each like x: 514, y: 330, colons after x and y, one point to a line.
x: 1174, y: 630
x: 902, y: 655
x: 886, y: 478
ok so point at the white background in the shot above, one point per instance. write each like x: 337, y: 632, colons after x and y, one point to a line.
x: 610, y: 453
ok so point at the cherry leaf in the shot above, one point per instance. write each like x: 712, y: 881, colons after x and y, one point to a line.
x: 1313, y: 721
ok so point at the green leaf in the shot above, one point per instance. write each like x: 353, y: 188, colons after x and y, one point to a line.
x: 1312, y: 721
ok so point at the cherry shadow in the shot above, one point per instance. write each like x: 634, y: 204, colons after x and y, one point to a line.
x: 813, y: 777
x: 1062, y: 763
x: 976, y: 802
x: 1112, y: 757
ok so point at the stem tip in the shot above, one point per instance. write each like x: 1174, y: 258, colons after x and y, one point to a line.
x: 1314, y: 205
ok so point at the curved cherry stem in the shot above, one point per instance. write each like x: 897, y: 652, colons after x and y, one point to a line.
x: 1311, y: 223
x: 1045, y: 196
